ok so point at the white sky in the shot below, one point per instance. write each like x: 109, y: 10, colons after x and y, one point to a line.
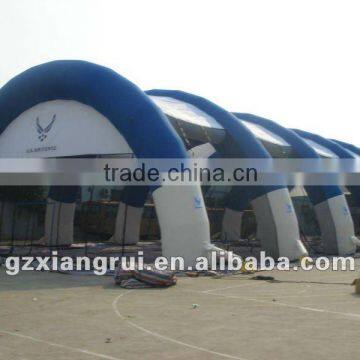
x: 296, y: 62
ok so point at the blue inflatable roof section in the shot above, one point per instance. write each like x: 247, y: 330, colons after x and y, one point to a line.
x: 146, y: 129
x: 347, y: 146
x: 338, y: 150
x: 316, y: 194
x: 331, y: 145
x: 245, y: 144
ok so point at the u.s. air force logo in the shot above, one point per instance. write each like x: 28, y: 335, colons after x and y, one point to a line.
x: 43, y: 132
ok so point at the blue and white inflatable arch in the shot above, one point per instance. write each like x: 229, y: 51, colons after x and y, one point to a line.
x: 277, y: 227
x: 73, y: 108
x: 336, y: 226
x: 340, y: 152
x: 352, y: 148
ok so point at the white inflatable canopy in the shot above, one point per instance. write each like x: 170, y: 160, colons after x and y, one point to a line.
x: 321, y: 150
x: 265, y: 135
x: 49, y: 130
x: 184, y: 111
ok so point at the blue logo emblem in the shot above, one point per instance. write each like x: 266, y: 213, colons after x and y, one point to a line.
x: 197, y: 202
x: 288, y: 208
x: 44, y: 131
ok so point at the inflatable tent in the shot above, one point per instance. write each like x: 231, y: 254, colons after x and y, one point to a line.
x: 335, y: 150
x: 203, y: 127
x: 76, y: 108
x: 336, y: 226
x: 219, y: 131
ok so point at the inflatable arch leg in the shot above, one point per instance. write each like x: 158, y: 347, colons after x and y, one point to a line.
x: 337, y: 227
x: 182, y: 216
x: 277, y: 225
x: 231, y: 225
x: 59, y: 223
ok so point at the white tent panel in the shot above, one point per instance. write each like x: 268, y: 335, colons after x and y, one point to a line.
x: 356, y: 156
x: 265, y: 135
x: 184, y: 111
x: 61, y: 128
x: 278, y: 228
x: 321, y: 150
x: 203, y: 151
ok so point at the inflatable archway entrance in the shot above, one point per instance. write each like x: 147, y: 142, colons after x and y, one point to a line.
x: 336, y: 226
x: 337, y: 151
x: 276, y: 218
x: 72, y: 108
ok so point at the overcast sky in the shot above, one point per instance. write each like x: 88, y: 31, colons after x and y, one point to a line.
x: 296, y: 62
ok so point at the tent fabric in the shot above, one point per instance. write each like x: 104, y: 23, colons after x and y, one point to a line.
x: 347, y: 146
x: 278, y: 231
x: 301, y: 149
x: 184, y: 111
x: 248, y: 145
x: 239, y: 142
x: 321, y: 150
x: 337, y: 150
x: 265, y: 135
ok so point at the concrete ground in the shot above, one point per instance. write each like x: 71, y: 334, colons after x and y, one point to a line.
x: 304, y: 315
